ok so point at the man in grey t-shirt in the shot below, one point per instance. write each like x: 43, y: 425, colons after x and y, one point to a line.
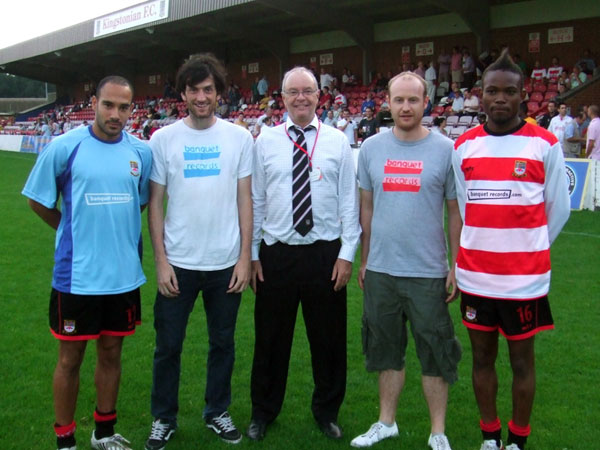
x: 405, y: 177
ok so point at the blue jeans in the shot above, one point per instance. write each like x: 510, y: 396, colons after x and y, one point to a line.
x: 170, y: 321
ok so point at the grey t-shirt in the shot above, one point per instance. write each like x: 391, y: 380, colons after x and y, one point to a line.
x: 409, y: 181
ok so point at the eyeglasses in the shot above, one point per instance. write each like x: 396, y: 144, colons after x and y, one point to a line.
x: 296, y: 93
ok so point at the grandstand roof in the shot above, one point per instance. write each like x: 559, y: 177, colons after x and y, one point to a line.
x: 233, y: 29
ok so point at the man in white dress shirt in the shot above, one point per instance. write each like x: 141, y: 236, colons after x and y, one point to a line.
x: 305, y: 235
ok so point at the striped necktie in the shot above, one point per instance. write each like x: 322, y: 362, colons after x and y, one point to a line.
x: 301, y: 202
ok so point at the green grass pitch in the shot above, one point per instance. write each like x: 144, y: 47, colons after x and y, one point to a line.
x: 567, y: 405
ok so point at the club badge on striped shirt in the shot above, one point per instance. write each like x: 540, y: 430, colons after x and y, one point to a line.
x: 471, y: 314
x: 520, y: 169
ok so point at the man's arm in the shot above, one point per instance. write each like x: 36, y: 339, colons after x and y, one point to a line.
x: 259, y: 208
x: 50, y: 216
x: 590, y: 147
x: 366, y: 216
x: 348, y: 213
x: 454, y: 229
x: 556, y: 193
x: 165, y: 275
x: 241, y: 272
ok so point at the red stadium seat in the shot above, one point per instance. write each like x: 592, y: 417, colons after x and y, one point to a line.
x: 539, y: 87
x: 438, y: 110
x: 536, y: 97
x: 550, y: 95
x: 532, y: 107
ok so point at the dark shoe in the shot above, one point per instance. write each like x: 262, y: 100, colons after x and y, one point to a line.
x: 160, y: 434
x: 331, y: 430
x: 224, y: 428
x: 257, y: 430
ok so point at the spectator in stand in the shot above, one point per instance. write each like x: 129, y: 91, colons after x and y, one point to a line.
x: 468, y: 68
x: 266, y: 120
x: 380, y: 82
x: 458, y: 104
x: 471, y: 104
x: 384, y: 116
x: 352, y: 81
x: 153, y: 127
x: 136, y: 125
x: 337, y: 111
x: 519, y: 62
x: 430, y: 77
x: 577, y: 77
x: 538, y: 73
x: 454, y: 92
x: 348, y: 127
x: 67, y: 126
x: 326, y: 107
x: 586, y: 121
x: 456, y: 66
x: 555, y: 69
x: 367, y: 127
x: 443, y: 60
x: 339, y: 98
x: 329, y: 119
x: 263, y: 87
x: 573, y: 138
x: 368, y: 103
x: 254, y: 90
x: 559, y: 123
x: 586, y: 64
x: 325, y: 97
x: 544, y: 121
x: 523, y: 114
x: 562, y: 88
x: 46, y: 130
x: 234, y: 95
x: 482, y: 118
x: 420, y: 70
x: 325, y: 79
x: 240, y: 120
x: 592, y: 147
x: 439, y: 125
x: 563, y: 78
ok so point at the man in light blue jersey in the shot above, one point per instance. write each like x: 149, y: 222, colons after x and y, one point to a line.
x: 102, y: 175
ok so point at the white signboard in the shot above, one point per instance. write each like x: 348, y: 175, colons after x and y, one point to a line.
x: 131, y: 17
x: 253, y: 67
x: 424, y: 48
x: 326, y: 59
x: 560, y: 35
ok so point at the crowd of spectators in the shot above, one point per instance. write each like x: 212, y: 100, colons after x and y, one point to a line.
x: 360, y: 110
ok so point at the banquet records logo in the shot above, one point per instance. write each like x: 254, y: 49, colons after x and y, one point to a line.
x: 571, y: 180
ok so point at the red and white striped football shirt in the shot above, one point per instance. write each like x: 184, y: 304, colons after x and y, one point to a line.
x: 513, y: 200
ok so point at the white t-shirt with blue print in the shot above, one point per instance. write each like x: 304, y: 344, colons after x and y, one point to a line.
x: 201, y: 169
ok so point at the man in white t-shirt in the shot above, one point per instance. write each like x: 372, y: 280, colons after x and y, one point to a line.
x: 348, y: 127
x: 204, y: 164
x: 558, y: 124
x: 325, y: 79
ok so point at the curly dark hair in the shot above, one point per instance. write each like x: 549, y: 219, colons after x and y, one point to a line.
x: 198, y: 68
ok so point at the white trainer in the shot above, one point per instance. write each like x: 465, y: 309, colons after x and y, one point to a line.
x: 376, y: 433
x: 438, y: 442
x: 114, y: 442
x: 490, y: 444
x: 512, y: 447
x: 68, y: 448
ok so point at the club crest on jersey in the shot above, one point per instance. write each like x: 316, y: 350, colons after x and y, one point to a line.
x: 520, y: 169
x: 471, y: 314
x: 69, y: 326
x: 135, y: 171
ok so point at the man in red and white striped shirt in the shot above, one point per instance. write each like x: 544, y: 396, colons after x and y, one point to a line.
x: 514, y: 201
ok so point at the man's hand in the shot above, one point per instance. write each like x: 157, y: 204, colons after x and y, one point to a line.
x: 451, y: 286
x: 240, y: 277
x: 342, y: 270
x: 166, y: 280
x: 361, y: 276
x: 257, y: 273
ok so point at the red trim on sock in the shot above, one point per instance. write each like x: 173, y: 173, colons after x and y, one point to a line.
x: 63, y: 431
x: 104, y: 417
x: 518, y: 430
x: 490, y: 427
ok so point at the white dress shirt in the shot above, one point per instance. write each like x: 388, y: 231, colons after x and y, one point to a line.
x: 334, y: 192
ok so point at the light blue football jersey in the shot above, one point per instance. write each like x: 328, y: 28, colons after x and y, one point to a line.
x: 98, y: 245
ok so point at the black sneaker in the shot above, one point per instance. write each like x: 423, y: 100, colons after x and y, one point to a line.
x: 224, y: 428
x: 161, y: 432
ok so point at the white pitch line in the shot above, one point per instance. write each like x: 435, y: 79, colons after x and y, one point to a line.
x: 581, y: 234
